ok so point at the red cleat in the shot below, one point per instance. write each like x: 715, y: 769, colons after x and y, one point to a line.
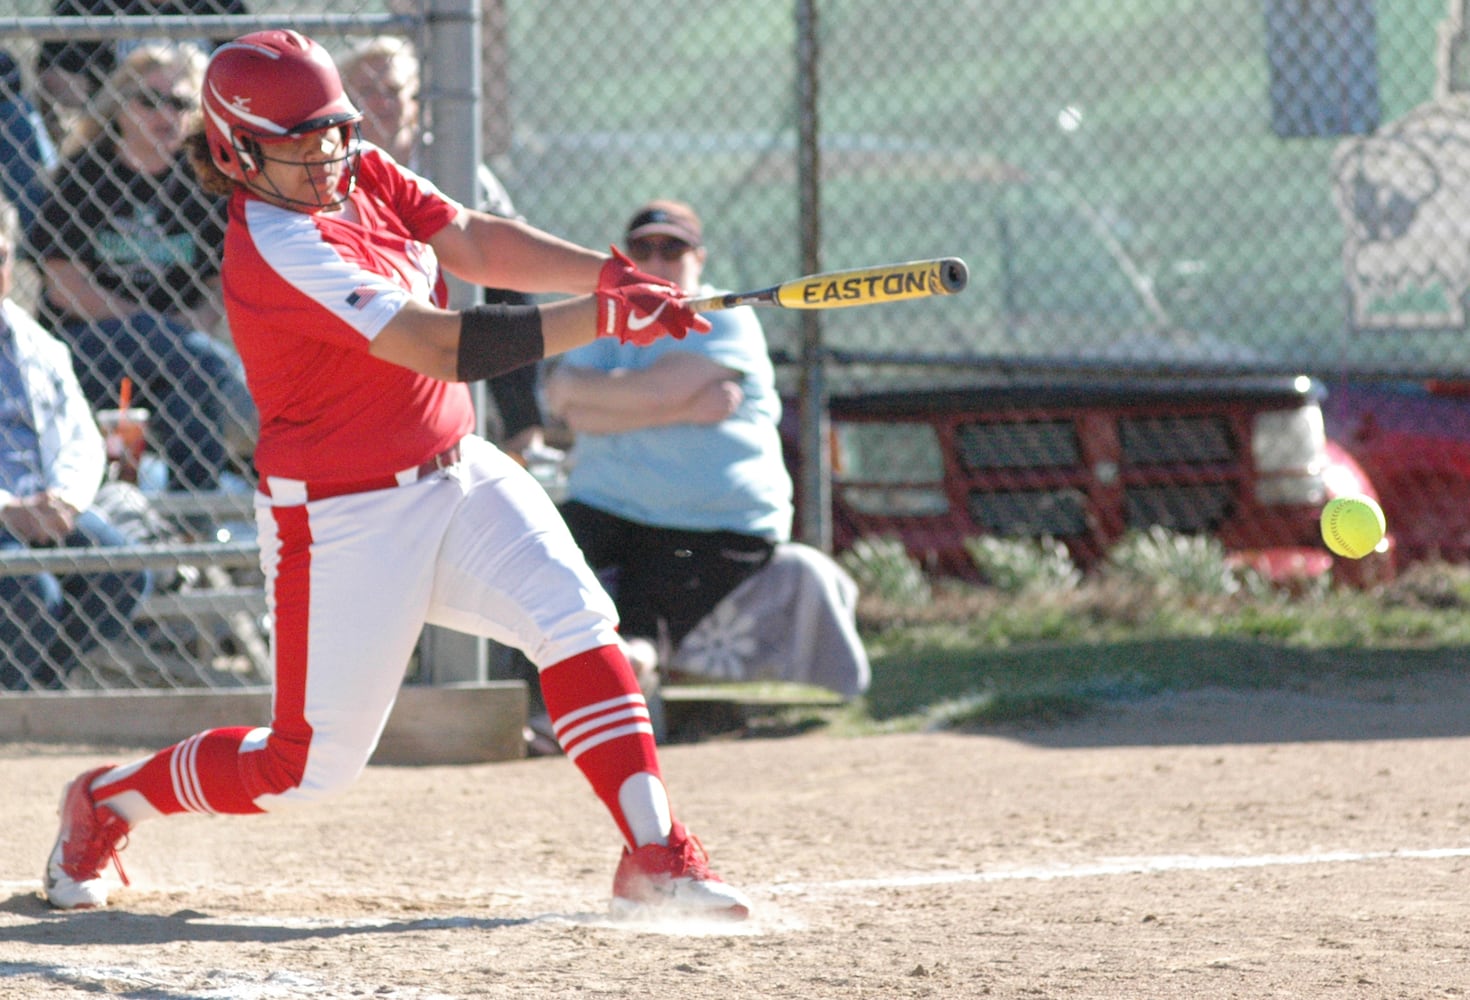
x: 660, y: 880
x: 86, y: 847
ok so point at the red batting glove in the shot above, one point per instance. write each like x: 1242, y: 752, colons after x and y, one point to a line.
x: 619, y: 271
x: 641, y: 314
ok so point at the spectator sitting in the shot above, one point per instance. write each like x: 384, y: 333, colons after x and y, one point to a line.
x: 26, y: 150
x: 128, y: 247
x: 382, y: 76
x: 51, y: 462
x: 69, y: 74
x: 678, y: 489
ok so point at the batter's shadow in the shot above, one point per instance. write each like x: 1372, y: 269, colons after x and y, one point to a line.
x: 114, y: 926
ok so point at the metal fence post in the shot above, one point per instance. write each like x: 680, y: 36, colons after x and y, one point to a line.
x: 451, y: 50
x: 815, y: 470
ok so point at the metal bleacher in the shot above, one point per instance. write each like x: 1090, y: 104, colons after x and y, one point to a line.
x: 214, y: 604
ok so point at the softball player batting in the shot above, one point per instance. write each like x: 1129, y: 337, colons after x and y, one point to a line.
x: 378, y: 509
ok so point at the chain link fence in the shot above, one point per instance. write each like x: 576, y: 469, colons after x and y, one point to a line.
x: 118, y: 254
x: 1146, y: 192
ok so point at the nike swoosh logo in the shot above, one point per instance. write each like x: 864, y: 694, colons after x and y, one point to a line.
x: 636, y: 322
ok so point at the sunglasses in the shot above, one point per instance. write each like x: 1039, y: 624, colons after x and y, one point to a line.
x: 669, y: 249
x: 157, y: 100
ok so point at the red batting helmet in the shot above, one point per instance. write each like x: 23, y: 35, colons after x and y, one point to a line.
x: 269, y: 86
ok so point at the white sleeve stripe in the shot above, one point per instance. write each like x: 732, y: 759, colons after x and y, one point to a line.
x: 292, y: 246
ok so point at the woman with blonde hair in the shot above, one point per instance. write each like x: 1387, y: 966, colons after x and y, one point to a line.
x: 184, y: 68
x: 128, y: 248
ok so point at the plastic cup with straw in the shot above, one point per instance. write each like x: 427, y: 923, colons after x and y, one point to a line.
x: 123, y: 430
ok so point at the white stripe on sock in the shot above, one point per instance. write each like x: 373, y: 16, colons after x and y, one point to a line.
x: 570, y: 735
x: 635, y: 698
x: 576, y: 750
x: 184, y: 770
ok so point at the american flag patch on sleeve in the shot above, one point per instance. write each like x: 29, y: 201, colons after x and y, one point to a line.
x: 360, y: 297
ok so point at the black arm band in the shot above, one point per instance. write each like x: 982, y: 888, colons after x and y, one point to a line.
x: 497, y: 339
x: 514, y: 394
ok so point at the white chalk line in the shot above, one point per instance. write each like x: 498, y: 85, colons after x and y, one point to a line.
x: 214, y: 984
x: 1108, y: 867
x: 1101, y: 868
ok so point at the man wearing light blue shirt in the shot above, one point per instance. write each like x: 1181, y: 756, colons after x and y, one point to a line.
x: 678, y: 487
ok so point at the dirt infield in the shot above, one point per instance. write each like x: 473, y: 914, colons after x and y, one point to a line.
x: 1213, y: 845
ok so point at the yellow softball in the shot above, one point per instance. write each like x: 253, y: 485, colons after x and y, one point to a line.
x: 1352, y: 526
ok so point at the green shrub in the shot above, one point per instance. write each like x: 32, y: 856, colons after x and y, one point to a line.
x: 1024, y: 565
x: 883, y: 568
x: 1439, y: 585
x: 1179, y: 565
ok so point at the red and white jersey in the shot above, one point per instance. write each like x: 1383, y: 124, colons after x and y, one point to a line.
x: 306, y: 294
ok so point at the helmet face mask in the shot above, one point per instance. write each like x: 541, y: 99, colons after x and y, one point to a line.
x: 276, y: 87
x: 264, y: 162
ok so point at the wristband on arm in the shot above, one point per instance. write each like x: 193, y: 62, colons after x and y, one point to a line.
x: 496, y: 339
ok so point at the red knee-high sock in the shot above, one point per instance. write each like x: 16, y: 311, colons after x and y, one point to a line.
x: 601, y: 721
x: 201, y: 774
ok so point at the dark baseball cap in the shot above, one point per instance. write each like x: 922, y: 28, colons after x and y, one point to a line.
x: 667, y: 218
